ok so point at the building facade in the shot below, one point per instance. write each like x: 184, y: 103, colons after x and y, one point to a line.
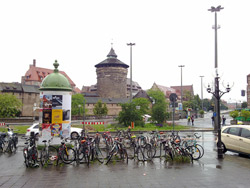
x: 29, y: 95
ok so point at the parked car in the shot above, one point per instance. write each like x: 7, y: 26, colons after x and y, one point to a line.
x: 75, y: 132
x: 236, y: 138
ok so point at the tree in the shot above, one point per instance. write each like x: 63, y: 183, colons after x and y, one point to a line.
x: 159, y: 108
x: 129, y: 114
x: 100, y: 109
x: 244, y: 105
x: 10, y: 106
x: 144, y: 105
x: 77, y: 104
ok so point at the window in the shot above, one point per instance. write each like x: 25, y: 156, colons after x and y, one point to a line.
x: 226, y: 130
x: 245, y: 133
x: 234, y: 131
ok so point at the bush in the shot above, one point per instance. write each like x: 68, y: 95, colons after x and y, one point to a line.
x: 234, y: 114
x: 245, y: 114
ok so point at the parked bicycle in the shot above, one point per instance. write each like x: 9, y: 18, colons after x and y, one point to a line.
x: 119, y: 151
x: 30, y: 152
x: 65, y: 154
x: 48, y: 154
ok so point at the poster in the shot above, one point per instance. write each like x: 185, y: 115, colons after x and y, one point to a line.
x: 47, y: 101
x: 56, y: 129
x: 46, y: 131
x: 65, y: 130
x: 47, y: 115
x: 57, y: 116
x: 57, y: 101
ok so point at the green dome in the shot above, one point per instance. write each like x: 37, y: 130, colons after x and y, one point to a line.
x: 55, y: 81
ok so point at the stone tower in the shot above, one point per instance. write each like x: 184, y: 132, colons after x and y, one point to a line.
x: 112, y: 77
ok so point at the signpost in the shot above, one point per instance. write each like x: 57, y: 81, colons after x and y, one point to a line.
x: 173, y: 99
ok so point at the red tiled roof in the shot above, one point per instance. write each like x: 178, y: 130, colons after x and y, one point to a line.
x: 184, y: 88
x: 38, y: 74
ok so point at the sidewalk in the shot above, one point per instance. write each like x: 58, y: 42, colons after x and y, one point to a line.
x: 231, y: 172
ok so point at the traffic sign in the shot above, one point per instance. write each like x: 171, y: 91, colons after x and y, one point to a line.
x: 173, y: 97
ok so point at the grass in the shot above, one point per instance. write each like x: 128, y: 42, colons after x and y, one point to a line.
x: 20, y: 129
x: 146, y: 127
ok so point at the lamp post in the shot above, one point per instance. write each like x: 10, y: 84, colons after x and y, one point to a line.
x: 217, y: 93
x: 130, y: 44
x: 181, y: 82
x: 201, y: 92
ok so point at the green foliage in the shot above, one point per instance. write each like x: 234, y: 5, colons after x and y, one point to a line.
x: 201, y: 112
x: 144, y: 105
x: 100, y: 109
x: 244, y: 105
x: 77, y: 104
x: 10, y: 106
x: 234, y: 114
x: 159, y: 109
x: 245, y: 114
x: 129, y: 114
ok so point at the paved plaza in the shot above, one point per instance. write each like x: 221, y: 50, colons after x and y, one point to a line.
x: 233, y: 171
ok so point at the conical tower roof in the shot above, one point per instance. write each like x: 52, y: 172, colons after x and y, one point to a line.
x: 55, y: 81
x: 111, y: 61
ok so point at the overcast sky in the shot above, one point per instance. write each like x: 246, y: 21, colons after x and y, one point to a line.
x: 167, y: 33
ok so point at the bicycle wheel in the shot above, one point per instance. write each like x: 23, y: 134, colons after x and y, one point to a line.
x: 140, y: 154
x: 201, y: 150
x: 99, y: 155
x: 148, y: 151
x: 125, y: 155
x: 25, y: 155
x: 168, y: 153
x: 69, y: 157
x: 43, y: 157
x: 109, y: 157
x: 194, y: 152
x: 51, y: 155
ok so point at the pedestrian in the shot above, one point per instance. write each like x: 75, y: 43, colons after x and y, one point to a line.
x: 192, y: 119
x: 188, y: 118
x: 223, y: 120
x: 212, y: 120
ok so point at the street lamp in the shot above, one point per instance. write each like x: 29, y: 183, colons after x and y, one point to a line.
x: 130, y: 44
x: 201, y: 92
x: 217, y: 93
x: 181, y: 81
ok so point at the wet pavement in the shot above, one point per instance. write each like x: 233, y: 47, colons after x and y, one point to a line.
x: 233, y: 171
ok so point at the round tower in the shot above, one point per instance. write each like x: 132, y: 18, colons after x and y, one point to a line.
x: 112, y: 77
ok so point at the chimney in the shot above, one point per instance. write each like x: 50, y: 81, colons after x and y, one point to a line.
x: 34, y: 62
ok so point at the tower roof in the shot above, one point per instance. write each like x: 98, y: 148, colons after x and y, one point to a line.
x: 111, y: 61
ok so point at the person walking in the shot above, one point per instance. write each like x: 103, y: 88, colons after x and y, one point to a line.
x: 188, y: 118
x: 223, y: 120
x: 192, y: 119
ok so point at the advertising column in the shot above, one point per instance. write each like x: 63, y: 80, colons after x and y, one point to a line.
x: 56, y: 114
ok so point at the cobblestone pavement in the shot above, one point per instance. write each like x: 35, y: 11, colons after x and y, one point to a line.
x: 231, y: 172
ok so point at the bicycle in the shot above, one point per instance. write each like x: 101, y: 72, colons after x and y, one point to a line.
x: 12, y: 141
x: 3, y: 142
x: 65, y: 154
x: 142, y: 149
x: 48, y: 154
x: 191, y: 141
x: 30, y: 152
x: 95, y: 151
x: 118, y: 150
